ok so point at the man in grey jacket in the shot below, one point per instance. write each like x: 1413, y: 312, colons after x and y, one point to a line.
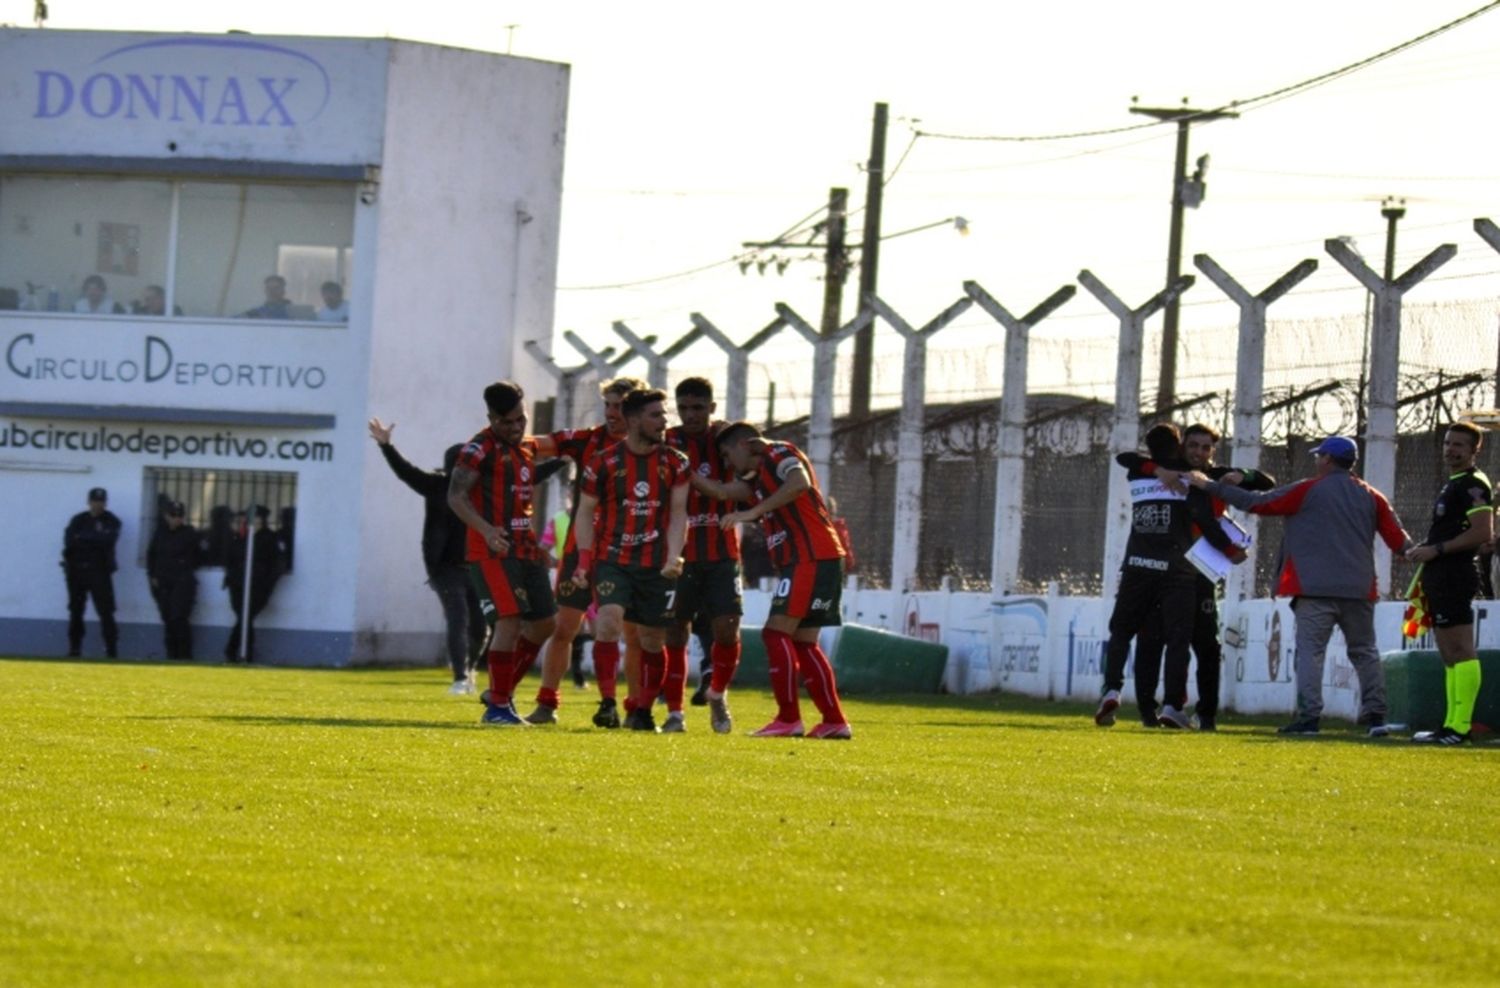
x: 1328, y: 569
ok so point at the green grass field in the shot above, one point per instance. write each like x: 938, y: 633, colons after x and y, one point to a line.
x: 216, y: 825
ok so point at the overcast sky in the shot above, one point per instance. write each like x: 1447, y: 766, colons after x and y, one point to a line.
x: 695, y: 126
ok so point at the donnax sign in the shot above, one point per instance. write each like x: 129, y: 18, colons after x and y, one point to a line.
x: 191, y: 94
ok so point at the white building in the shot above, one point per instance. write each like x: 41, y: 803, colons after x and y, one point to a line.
x: 424, y: 181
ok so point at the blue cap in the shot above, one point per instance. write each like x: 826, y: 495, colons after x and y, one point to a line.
x: 1338, y: 447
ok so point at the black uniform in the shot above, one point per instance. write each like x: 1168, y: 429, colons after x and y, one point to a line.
x: 1451, y: 580
x: 171, y: 563
x: 1148, y: 647
x: 1156, y: 574
x: 265, y: 570
x: 443, y: 535
x: 88, y: 561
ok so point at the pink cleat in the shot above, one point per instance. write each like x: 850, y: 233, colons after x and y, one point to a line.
x: 831, y: 732
x: 780, y: 729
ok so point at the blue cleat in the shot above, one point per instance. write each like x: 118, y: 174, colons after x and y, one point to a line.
x: 505, y: 716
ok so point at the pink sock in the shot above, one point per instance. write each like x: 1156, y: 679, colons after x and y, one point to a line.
x: 781, y: 656
x: 817, y: 676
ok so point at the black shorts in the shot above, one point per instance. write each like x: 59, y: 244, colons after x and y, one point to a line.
x: 709, y: 589
x: 512, y: 588
x: 642, y: 591
x: 1450, y: 587
x: 570, y: 594
x: 810, y: 592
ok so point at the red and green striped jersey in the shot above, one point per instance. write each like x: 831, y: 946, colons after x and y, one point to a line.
x: 800, y: 531
x: 635, y: 501
x: 580, y: 446
x: 706, y: 541
x: 503, y: 494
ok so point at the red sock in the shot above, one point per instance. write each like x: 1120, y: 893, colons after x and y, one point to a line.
x: 606, y: 667
x: 726, y: 659
x: 781, y: 656
x: 817, y: 676
x: 653, y: 672
x: 501, y: 664
x: 676, y: 676
x: 548, y: 698
x: 526, y: 653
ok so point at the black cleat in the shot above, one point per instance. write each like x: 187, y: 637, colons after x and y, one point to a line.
x: 608, y: 715
x: 1303, y: 726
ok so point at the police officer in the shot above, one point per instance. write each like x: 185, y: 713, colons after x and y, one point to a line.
x: 265, y: 570
x: 88, y: 559
x: 171, y: 563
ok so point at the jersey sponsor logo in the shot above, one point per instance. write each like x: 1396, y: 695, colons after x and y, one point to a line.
x: 707, y: 520
x: 1143, y: 562
x: 641, y: 488
x: 1153, y: 519
x: 704, y: 469
x: 775, y: 539
x: 637, y: 538
x: 819, y: 604
x: 1151, y: 489
x: 525, y: 473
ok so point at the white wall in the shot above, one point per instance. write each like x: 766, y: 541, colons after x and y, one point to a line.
x: 474, y: 145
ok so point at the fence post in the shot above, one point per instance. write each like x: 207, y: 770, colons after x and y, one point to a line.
x: 907, y: 535
x: 737, y: 388
x: 567, y: 381
x: 1010, y: 466
x: 656, y: 363
x: 1125, y: 432
x: 1249, y: 386
x: 1385, y: 365
x: 825, y: 366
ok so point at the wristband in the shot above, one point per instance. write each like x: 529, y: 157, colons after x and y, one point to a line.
x: 585, y: 558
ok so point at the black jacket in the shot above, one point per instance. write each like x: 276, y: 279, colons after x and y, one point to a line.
x: 443, y: 533
x: 173, y: 554
x: 89, y: 542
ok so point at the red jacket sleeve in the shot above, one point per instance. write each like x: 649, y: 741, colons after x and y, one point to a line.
x: 1387, y: 524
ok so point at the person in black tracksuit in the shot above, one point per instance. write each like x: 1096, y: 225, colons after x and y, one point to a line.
x: 172, y: 566
x: 88, y: 562
x: 265, y: 569
x: 1156, y: 576
x: 1199, y: 442
x: 443, y: 536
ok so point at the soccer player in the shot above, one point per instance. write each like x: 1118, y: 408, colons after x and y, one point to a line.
x: 1156, y: 581
x: 574, y: 600
x: 631, y: 550
x: 1462, y: 520
x: 491, y: 490
x: 1199, y: 443
x: 710, y: 582
x: 805, y: 549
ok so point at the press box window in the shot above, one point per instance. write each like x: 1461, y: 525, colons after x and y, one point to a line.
x: 233, y: 236
x: 89, y: 245
x: 213, y: 498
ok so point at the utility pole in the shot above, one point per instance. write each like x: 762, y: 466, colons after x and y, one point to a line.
x: 835, y: 261
x: 869, y: 267
x: 1187, y: 192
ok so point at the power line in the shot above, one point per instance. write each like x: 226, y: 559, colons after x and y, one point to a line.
x: 1253, y: 102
